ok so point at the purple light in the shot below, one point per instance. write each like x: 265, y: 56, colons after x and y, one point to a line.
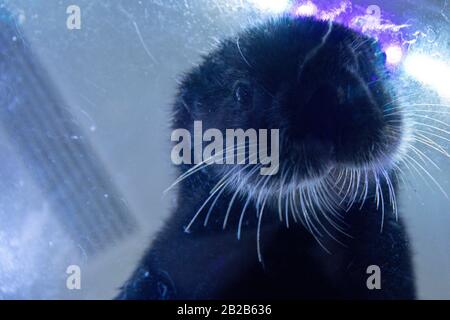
x: 368, y: 21
x: 306, y: 9
x: 394, y: 54
x: 333, y: 13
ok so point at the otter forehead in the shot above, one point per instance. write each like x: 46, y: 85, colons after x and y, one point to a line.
x: 278, y: 51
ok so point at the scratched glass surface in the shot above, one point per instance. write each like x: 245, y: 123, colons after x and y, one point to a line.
x: 84, y: 136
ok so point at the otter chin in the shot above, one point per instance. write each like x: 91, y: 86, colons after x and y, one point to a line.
x: 311, y: 230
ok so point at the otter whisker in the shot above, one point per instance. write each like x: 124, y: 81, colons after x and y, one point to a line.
x: 379, y: 197
x: 410, y: 166
x: 414, y: 120
x: 402, y: 174
x: 286, y: 211
x: 429, y: 175
x: 424, y: 133
x: 366, y: 190
x: 382, y: 209
x: 396, y: 100
x: 305, y: 198
x: 258, y: 229
x: 432, y: 119
x: 202, y: 165
x: 205, y: 223
x: 424, y: 157
x: 246, y: 158
x: 355, y: 193
x: 329, y: 220
x: 241, y: 218
x: 280, y: 195
x: 291, y: 204
x: 430, y: 144
x: 247, y: 202
x: 413, y: 112
x: 392, y: 197
x: 260, y: 215
x: 338, y: 179
x: 296, y: 208
x: 343, y: 183
x: 426, y: 105
x: 312, y: 192
x: 228, y: 181
x: 326, y: 201
x: 350, y: 187
x: 223, y: 185
x: 305, y: 202
x: 315, y: 236
x: 238, y: 189
x: 377, y: 187
x: 432, y: 127
x: 305, y: 214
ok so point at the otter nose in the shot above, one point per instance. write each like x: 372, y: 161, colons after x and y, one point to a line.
x: 318, y: 119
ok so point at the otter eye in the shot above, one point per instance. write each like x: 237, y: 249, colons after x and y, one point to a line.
x: 243, y: 93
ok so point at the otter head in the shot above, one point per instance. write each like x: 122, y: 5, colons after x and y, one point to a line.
x: 325, y: 87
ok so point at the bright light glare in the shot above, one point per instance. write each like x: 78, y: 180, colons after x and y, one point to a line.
x: 274, y: 6
x: 430, y: 71
x: 306, y: 9
x: 394, y: 54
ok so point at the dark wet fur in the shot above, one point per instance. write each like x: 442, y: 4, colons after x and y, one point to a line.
x: 324, y: 116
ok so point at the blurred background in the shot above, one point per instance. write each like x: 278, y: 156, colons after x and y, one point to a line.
x: 85, y: 140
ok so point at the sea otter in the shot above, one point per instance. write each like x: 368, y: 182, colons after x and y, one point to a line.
x: 316, y: 228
